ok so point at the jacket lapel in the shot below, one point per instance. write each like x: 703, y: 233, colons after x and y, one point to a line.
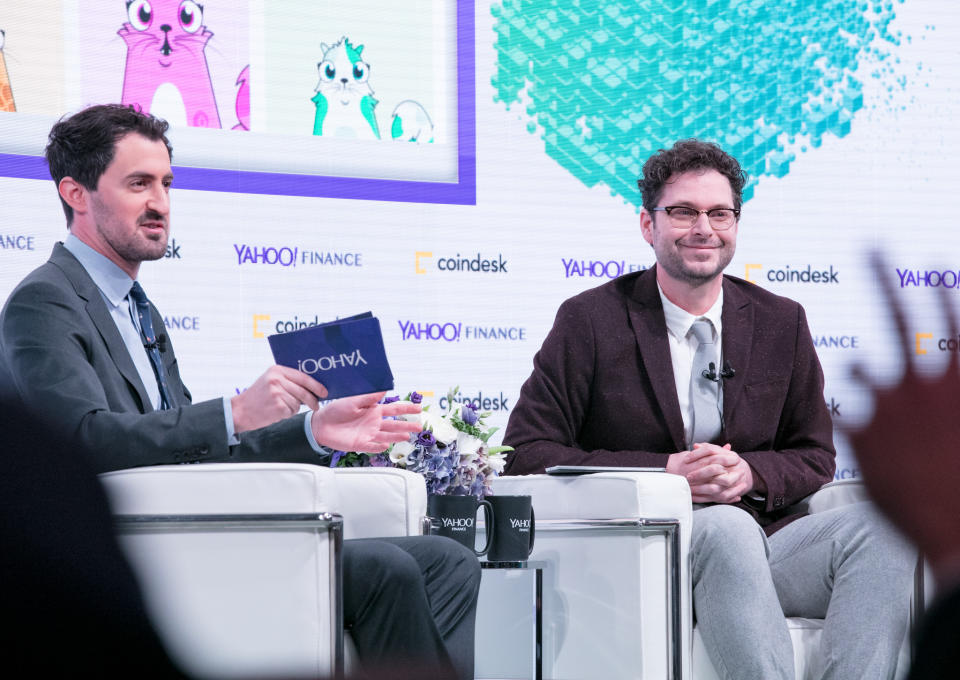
x: 87, y: 290
x: 646, y: 316
x: 737, y: 319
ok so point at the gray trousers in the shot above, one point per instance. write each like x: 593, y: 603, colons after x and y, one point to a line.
x: 846, y: 565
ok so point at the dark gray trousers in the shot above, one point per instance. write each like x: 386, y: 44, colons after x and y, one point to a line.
x: 410, y: 605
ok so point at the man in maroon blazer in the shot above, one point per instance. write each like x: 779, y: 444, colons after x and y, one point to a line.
x: 717, y: 380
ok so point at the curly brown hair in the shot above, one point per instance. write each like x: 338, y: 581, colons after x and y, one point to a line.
x: 684, y: 156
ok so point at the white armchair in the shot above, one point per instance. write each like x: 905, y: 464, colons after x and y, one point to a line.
x: 240, y: 563
x: 616, y: 582
x: 617, y: 595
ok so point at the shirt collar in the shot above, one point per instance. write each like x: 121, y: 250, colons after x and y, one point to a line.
x: 680, y: 320
x: 112, y: 281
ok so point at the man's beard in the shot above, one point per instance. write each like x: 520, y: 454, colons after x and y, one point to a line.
x: 135, y: 246
x: 672, y: 262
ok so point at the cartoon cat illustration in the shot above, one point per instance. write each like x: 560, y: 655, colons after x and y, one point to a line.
x: 346, y: 107
x: 166, y: 70
x: 6, y: 92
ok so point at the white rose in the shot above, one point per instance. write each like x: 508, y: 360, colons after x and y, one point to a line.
x: 496, y: 461
x: 467, y: 444
x: 442, y: 430
x: 400, y: 451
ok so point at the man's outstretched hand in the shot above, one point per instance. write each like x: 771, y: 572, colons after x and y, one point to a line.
x: 362, y: 424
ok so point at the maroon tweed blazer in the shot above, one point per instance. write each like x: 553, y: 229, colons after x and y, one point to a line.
x: 602, y: 391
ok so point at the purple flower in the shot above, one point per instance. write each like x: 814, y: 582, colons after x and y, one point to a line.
x: 426, y: 439
x: 478, y: 488
x: 337, y: 455
x: 380, y: 460
x: 390, y: 400
x: 416, y: 397
x: 468, y: 414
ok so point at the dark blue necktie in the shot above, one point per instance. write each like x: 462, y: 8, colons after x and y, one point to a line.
x: 150, y: 342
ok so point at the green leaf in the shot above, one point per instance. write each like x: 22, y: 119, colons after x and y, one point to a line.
x: 499, y: 449
x: 486, y: 435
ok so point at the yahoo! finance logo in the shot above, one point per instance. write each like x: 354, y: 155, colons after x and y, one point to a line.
x: 455, y: 331
x: 181, y: 322
x: 294, y: 256
x: 17, y: 242
x: 758, y: 273
x: 598, y: 269
x: 425, y: 261
x: 836, y: 341
x: 457, y: 524
x: 928, y: 278
x: 846, y: 473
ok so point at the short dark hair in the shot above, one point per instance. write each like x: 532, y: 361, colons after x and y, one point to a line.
x: 81, y: 146
x: 689, y: 155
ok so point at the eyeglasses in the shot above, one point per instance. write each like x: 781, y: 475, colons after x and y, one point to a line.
x: 685, y: 217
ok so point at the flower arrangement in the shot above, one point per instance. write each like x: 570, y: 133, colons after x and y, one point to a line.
x: 451, y: 452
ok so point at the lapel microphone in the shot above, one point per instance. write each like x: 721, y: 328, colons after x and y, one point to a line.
x: 710, y: 373
x: 161, y: 344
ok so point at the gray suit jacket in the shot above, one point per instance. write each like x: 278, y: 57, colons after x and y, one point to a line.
x: 61, y: 353
x: 602, y: 391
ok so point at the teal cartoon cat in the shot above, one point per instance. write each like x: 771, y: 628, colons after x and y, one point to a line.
x: 346, y: 106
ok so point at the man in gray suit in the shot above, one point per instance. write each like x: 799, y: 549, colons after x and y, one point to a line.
x: 717, y: 380
x: 85, y: 352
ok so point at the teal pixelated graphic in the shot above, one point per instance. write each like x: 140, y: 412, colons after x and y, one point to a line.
x: 609, y: 82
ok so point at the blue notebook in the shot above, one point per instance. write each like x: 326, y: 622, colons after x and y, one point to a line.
x: 347, y: 355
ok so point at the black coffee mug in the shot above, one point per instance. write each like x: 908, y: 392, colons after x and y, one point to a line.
x: 456, y: 518
x: 514, y: 529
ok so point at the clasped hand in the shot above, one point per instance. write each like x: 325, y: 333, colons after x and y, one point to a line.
x: 716, y: 474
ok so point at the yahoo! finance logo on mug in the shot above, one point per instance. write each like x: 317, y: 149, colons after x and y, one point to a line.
x: 522, y: 525
x: 457, y: 523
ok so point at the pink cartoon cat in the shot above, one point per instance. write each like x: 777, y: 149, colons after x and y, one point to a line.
x: 165, y: 49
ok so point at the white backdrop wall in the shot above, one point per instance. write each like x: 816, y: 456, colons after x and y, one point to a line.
x: 524, y: 178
